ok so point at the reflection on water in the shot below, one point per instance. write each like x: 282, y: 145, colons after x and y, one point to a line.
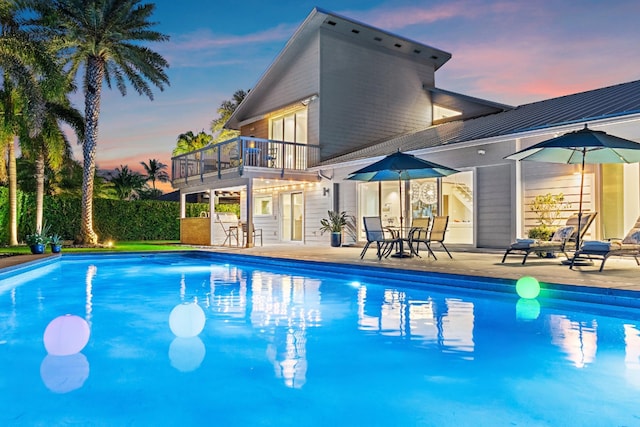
x: 632, y: 354
x: 579, y: 340
x: 186, y: 354
x: 283, y: 307
x: 447, y: 323
x: 62, y: 374
x: 92, y: 270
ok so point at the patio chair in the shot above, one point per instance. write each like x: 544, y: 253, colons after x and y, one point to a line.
x: 230, y: 231
x: 595, y: 249
x: 563, y: 240
x: 419, y: 233
x: 256, y: 233
x: 437, y: 233
x: 381, y: 236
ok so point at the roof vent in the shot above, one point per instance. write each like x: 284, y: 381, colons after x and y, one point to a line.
x: 416, y: 51
x: 434, y: 57
x: 397, y: 45
x: 378, y: 39
x: 355, y: 31
x: 331, y: 23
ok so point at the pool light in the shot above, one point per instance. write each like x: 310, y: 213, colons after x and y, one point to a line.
x: 66, y: 335
x: 528, y: 287
x: 186, y: 320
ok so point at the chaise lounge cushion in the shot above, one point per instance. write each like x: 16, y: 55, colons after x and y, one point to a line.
x: 561, y: 234
x: 599, y: 246
x: 632, y: 238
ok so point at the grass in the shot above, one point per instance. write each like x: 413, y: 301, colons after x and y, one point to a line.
x: 132, y: 246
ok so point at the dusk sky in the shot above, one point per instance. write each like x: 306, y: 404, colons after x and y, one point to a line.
x: 512, y: 52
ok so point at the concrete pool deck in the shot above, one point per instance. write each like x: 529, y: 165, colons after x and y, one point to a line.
x: 620, y: 274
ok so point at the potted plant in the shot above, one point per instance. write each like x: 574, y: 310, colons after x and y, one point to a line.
x: 37, y: 242
x: 548, y: 208
x: 56, y: 243
x: 333, y: 224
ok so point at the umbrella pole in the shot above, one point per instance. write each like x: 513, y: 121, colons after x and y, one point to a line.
x: 401, y: 204
x: 584, y: 153
x: 582, y: 261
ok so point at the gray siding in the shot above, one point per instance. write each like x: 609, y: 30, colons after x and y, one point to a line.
x: 493, y: 198
x: 293, y: 83
x: 368, y: 95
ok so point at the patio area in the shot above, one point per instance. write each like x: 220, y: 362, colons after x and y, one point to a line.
x: 619, y: 273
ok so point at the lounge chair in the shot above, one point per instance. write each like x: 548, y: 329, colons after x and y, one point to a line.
x: 419, y: 233
x: 381, y: 236
x: 594, y: 249
x: 563, y: 240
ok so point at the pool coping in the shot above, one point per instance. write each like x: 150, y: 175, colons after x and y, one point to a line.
x: 557, y: 291
x: 411, y: 278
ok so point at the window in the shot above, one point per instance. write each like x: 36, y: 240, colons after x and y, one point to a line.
x: 440, y: 113
x: 291, y: 127
x: 262, y: 205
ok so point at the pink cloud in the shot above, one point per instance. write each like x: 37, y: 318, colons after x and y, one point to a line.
x: 535, y: 68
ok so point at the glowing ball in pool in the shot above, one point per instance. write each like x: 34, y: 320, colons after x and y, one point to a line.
x: 528, y: 287
x: 66, y: 335
x: 186, y: 320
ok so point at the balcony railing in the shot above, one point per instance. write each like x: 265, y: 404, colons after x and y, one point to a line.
x: 243, y: 152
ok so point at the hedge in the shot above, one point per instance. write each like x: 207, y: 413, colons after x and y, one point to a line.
x: 113, y: 219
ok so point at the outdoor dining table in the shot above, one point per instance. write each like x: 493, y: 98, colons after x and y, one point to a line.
x: 402, y: 236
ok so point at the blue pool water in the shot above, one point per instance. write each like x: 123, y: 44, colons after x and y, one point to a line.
x: 289, y: 347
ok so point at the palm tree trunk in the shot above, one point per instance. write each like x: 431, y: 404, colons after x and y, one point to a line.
x: 13, y: 195
x: 93, y: 78
x: 39, y: 190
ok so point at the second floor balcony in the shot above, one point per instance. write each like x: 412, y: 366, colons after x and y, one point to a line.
x: 245, y: 152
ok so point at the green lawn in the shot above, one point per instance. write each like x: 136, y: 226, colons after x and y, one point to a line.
x: 133, y: 246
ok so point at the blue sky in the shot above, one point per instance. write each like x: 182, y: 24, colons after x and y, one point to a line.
x: 513, y: 52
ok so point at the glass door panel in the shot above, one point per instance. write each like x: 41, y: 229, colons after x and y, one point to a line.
x: 292, y: 216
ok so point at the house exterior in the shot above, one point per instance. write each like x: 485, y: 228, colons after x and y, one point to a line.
x: 343, y: 94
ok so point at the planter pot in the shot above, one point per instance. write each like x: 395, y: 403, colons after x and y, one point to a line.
x: 37, y: 249
x: 336, y: 239
x: 56, y: 249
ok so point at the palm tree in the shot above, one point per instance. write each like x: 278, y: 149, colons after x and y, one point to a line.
x: 155, y: 170
x: 188, y: 142
x: 23, y: 59
x: 51, y: 145
x: 127, y: 183
x: 105, y: 37
x: 225, y: 111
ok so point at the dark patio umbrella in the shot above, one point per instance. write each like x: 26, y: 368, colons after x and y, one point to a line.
x: 584, y: 146
x: 401, y: 167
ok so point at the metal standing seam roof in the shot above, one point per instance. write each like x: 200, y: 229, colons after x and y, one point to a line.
x: 612, y: 101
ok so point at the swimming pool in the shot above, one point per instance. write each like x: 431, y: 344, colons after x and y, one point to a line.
x: 293, y: 346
